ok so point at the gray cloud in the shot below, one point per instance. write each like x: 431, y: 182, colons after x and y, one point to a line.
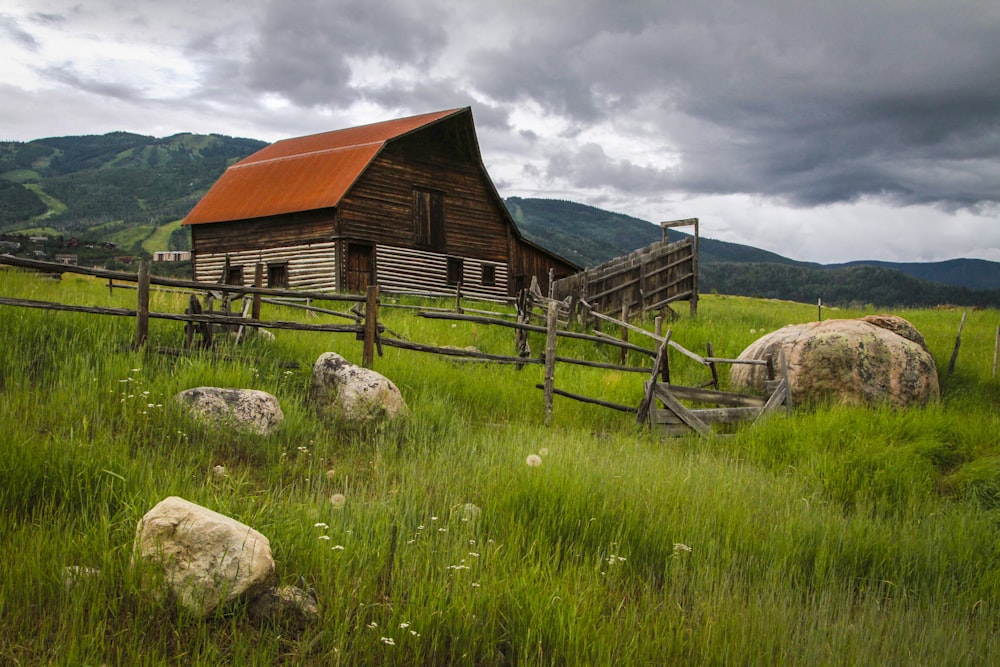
x: 10, y: 26
x: 808, y: 106
x: 304, y: 50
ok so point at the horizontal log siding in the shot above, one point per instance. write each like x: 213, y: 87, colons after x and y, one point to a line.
x: 408, y: 270
x: 380, y: 205
x: 311, y: 266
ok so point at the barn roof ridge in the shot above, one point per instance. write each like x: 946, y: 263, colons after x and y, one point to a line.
x: 243, y: 164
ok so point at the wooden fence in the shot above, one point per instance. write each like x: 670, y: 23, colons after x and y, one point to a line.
x: 365, y: 326
x: 647, y: 279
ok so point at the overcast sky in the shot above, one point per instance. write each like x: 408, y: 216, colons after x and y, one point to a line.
x: 822, y: 130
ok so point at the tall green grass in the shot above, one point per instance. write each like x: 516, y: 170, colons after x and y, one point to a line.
x: 831, y: 536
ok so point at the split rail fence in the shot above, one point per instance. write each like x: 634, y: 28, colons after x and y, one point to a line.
x: 365, y: 326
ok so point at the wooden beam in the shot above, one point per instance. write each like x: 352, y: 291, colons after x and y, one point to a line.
x: 672, y: 404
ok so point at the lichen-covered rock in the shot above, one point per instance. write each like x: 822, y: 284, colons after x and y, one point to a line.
x: 288, y: 605
x: 342, y: 390
x: 245, y: 409
x: 202, y: 558
x: 869, y: 361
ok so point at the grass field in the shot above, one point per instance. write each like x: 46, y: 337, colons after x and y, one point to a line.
x: 832, y: 536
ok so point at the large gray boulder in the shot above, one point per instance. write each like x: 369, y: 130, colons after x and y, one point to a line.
x: 245, y: 409
x: 202, y: 558
x: 342, y: 390
x: 870, y: 361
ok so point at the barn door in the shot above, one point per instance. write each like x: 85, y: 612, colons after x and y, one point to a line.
x: 360, y: 267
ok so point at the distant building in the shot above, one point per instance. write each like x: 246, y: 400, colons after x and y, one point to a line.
x: 171, y: 255
x: 71, y: 260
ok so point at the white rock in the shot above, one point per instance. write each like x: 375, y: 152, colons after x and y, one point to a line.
x: 204, y: 559
x: 341, y: 389
x: 245, y: 409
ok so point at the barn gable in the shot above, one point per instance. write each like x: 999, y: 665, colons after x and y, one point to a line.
x: 406, y: 203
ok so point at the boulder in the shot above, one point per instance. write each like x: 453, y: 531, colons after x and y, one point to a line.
x: 203, y: 559
x: 245, y: 409
x: 345, y: 391
x: 869, y: 361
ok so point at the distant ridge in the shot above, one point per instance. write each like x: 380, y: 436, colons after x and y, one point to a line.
x: 591, y: 236
x: 112, y: 194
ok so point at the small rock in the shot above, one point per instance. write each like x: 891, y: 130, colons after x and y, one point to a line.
x: 287, y: 605
x: 247, y: 409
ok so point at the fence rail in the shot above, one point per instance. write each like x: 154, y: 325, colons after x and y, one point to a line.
x: 366, y: 327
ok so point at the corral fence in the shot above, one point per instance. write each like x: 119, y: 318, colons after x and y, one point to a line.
x: 648, y: 279
x: 365, y: 326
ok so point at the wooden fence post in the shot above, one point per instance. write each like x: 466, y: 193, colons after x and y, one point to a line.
x: 142, y: 308
x: 551, y: 322
x: 258, y: 281
x: 996, y: 353
x: 624, y: 328
x: 458, y: 298
x: 371, y: 326
x: 958, y: 344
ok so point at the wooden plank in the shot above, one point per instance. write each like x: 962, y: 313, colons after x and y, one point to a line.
x: 672, y: 404
x: 669, y: 300
x: 727, y: 415
x: 647, y: 399
x: 587, y: 399
x: 723, y: 360
x: 777, y: 398
x: 699, y: 395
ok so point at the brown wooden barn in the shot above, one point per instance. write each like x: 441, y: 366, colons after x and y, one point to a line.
x: 405, y: 203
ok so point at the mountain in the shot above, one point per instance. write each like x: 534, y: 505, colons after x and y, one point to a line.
x: 107, y: 197
x: 591, y: 236
x: 70, y: 185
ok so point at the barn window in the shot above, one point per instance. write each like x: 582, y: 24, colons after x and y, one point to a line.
x: 489, y: 275
x: 455, y: 269
x: 277, y: 275
x: 428, y: 218
x: 234, y: 275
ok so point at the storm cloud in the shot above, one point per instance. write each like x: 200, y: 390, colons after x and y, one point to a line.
x: 794, y: 126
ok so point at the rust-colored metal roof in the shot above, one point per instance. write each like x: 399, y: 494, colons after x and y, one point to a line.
x: 301, y: 174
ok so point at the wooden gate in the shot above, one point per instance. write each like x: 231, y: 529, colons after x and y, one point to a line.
x: 675, y: 418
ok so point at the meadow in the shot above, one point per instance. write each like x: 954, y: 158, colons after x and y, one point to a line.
x: 829, y: 536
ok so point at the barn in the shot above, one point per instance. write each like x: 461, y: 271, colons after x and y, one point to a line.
x: 405, y: 203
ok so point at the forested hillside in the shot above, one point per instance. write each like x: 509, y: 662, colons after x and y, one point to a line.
x: 108, y: 199
x: 70, y: 185
x: 594, y: 236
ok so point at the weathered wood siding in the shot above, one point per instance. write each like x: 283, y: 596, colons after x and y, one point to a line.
x: 311, y: 266
x: 646, y: 279
x: 380, y: 206
x: 260, y: 233
x: 409, y: 270
x: 528, y: 261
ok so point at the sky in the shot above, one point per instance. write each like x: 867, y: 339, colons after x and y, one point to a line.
x: 822, y: 130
